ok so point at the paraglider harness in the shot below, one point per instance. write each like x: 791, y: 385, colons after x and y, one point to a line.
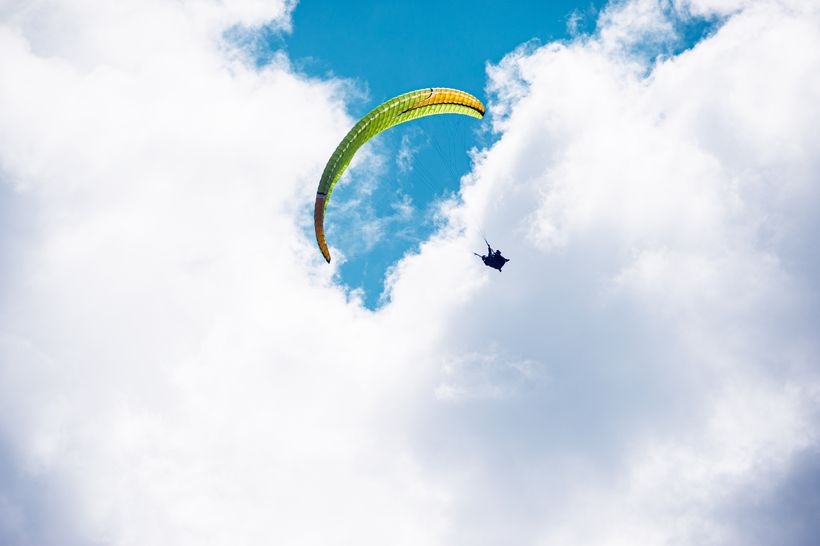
x: 493, y: 258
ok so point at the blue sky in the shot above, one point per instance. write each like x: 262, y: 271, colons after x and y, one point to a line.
x: 391, y: 48
x: 421, y: 44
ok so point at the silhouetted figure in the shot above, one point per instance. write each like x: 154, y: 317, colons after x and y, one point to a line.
x: 493, y: 258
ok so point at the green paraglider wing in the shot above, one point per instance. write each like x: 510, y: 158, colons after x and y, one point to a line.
x: 412, y: 105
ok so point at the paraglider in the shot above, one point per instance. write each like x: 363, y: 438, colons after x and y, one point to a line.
x: 406, y: 107
x: 493, y: 258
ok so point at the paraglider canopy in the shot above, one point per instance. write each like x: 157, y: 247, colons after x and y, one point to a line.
x: 409, y: 106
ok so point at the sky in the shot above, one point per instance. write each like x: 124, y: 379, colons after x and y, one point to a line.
x: 435, y: 44
x: 178, y: 364
x: 432, y: 44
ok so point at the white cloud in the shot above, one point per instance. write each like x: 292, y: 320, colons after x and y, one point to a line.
x: 177, y: 367
x: 404, y: 157
x: 485, y: 374
x: 660, y: 229
x: 172, y: 362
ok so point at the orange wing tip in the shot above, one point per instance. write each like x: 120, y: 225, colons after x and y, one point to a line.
x: 319, y: 224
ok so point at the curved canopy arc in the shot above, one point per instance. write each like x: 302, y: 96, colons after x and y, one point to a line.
x: 409, y: 106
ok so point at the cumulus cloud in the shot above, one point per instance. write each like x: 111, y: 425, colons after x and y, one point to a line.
x: 177, y: 365
x: 172, y: 370
x: 660, y: 219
